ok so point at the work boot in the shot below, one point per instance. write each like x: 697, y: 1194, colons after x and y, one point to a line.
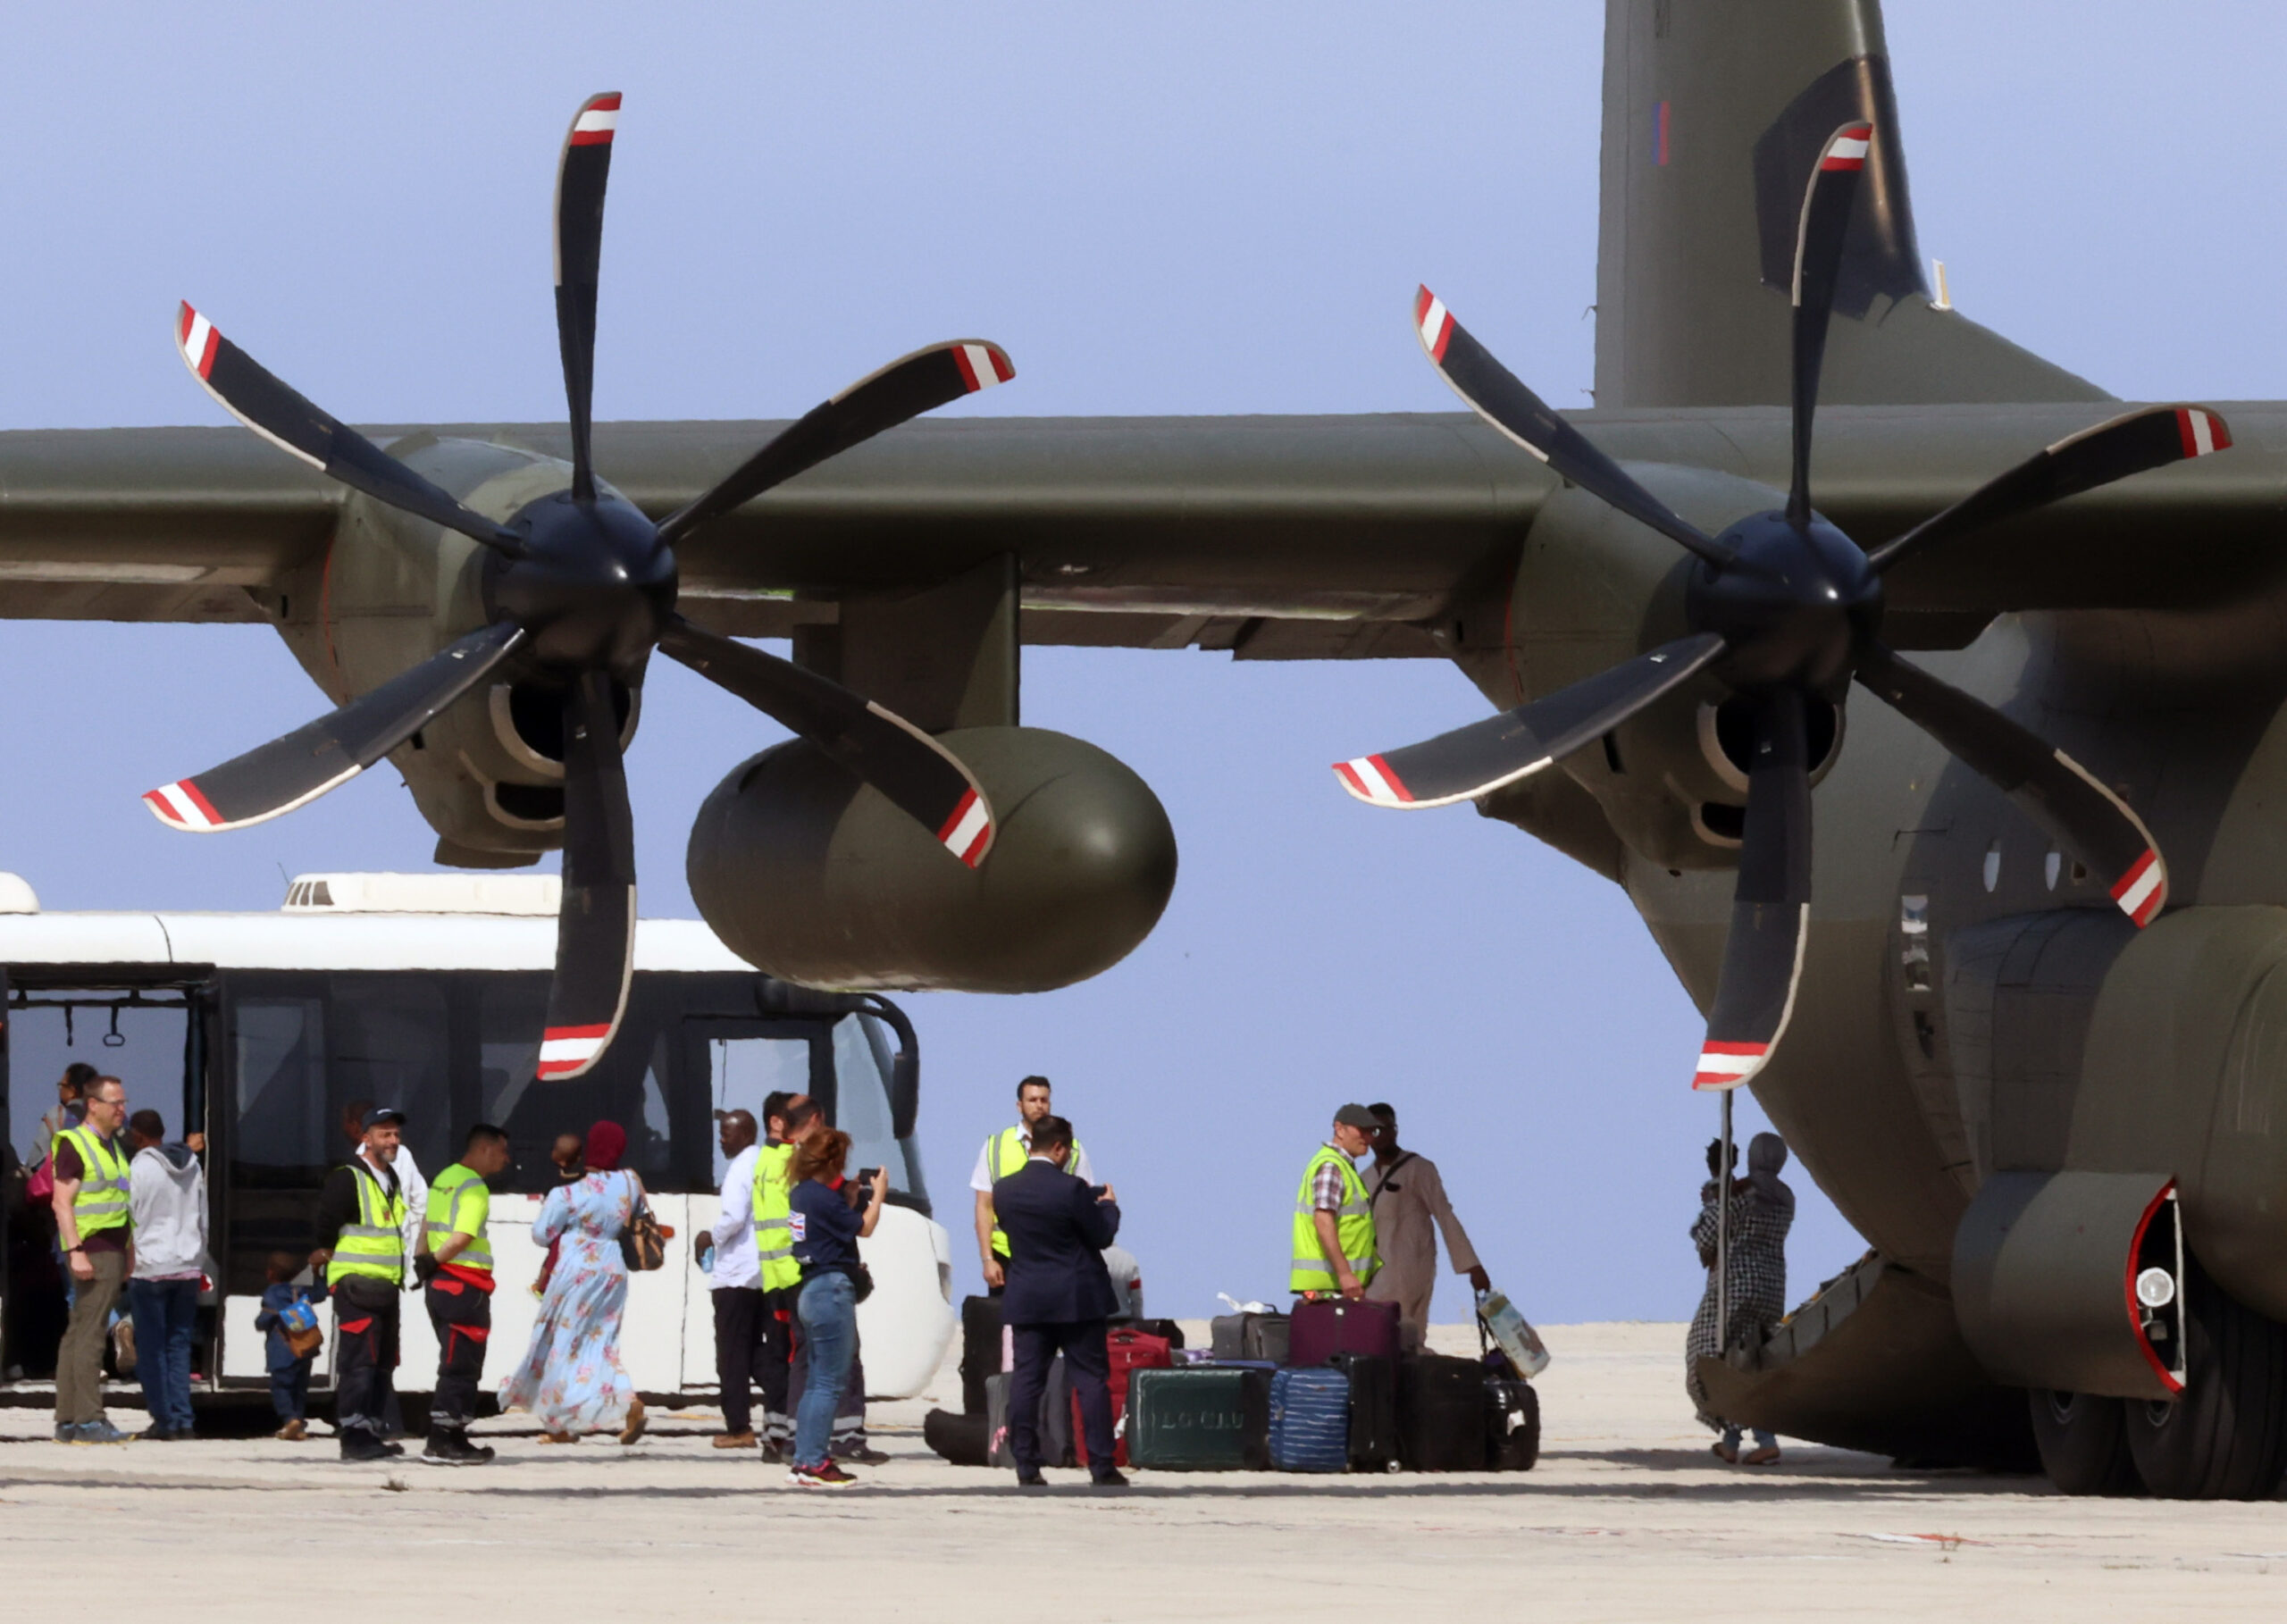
x: 734, y: 1440
x: 449, y: 1446
x: 294, y: 1431
x: 774, y: 1454
x: 360, y: 1445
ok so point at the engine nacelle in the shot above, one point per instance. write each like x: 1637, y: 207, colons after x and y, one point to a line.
x: 810, y: 875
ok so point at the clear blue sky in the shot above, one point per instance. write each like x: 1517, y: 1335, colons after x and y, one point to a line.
x: 1183, y: 207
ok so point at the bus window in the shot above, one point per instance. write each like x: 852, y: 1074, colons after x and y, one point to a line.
x: 284, y: 1120
x: 390, y: 1046
x: 634, y: 1085
x: 745, y: 1071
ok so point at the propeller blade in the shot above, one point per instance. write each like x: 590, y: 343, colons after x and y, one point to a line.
x: 258, y: 399
x: 905, y: 388
x: 2055, y: 791
x: 291, y: 771
x: 1818, y: 263
x: 1493, y: 391
x: 1477, y: 759
x: 2151, y: 437
x: 595, y: 927
x: 920, y: 776
x: 1770, y: 907
x: 580, y: 177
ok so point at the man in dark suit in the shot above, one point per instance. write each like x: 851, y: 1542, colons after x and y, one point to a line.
x: 1059, y: 1296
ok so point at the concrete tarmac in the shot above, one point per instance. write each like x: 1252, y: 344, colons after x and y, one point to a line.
x: 1628, y: 1517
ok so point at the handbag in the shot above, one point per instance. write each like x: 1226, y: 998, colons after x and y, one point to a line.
x: 642, y: 1243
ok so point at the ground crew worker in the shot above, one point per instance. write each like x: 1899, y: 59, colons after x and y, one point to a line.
x: 363, y: 1207
x: 777, y: 1273
x: 1004, y: 1153
x: 97, y: 1233
x: 1333, y: 1249
x: 1408, y: 1196
x: 457, y: 1273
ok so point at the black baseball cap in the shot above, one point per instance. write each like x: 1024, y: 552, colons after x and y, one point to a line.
x: 381, y: 1115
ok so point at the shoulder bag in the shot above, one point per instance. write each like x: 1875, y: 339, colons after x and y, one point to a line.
x: 642, y: 1243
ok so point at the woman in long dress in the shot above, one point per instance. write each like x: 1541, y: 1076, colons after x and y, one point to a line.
x: 571, y: 1379
x: 1763, y: 1210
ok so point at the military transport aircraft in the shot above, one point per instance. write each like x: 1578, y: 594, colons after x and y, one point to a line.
x: 2021, y: 1006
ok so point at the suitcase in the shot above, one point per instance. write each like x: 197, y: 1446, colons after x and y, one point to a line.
x: 1441, y: 1414
x: 1309, y: 1420
x: 1511, y: 1424
x: 1373, y: 1410
x: 1169, y: 1329
x: 980, y: 1349
x: 963, y: 1439
x: 1200, y: 1418
x: 1055, y: 1422
x: 1130, y: 1349
x: 1335, y: 1324
x: 1250, y: 1336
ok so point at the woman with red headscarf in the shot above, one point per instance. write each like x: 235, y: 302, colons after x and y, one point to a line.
x: 572, y: 1380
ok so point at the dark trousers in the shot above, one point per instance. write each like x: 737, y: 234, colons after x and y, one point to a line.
x: 739, y: 1355
x: 462, y: 1314
x: 774, y: 1369
x: 166, y: 1316
x: 364, y: 1358
x: 1088, y: 1359
x: 290, y: 1391
x: 850, y: 1412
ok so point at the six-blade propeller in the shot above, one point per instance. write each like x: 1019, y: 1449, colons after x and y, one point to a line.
x: 581, y: 589
x: 1785, y: 610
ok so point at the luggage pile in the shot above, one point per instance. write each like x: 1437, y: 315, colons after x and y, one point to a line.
x: 1323, y: 1390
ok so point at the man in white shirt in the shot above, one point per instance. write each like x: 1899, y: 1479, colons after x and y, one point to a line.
x: 734, y: 1273
x: 1003, y: 1153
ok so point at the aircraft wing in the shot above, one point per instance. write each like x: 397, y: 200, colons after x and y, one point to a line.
x: 1270, y: 536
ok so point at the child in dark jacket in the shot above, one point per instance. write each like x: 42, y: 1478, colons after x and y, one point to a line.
x: 290, y: 1372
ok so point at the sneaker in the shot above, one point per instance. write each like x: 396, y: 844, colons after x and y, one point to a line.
x: 863, y: 1455
x: 101, y: 1432
x: 451, y: 1447
x: 362, y: 1445
x: 734, y: 1440
x: 828, y: 1476
x: 67, y: 1432
x: 293, y: 1432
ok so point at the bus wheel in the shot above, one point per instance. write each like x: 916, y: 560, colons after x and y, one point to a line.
x: 2224, y: 1438
x: 2083, y: 1442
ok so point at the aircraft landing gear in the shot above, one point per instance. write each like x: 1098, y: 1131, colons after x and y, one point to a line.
x: 2083, y: 1442
x: 2226, y: 1438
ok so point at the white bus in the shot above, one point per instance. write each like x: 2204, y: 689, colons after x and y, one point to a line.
x: 426, y: 992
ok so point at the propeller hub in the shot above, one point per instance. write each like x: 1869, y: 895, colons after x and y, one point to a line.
x: 1795, y: 603
x: 594, y: 587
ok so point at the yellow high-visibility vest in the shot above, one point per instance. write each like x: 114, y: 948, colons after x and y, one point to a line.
x: 1310, y: 1269
x: 460, y: 1204
x: 773, y: 1203
x: 101, y: 1202
x: 1010, y: 1152
x: 375, y: 1245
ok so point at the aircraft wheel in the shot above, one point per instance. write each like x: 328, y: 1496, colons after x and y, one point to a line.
x: 2083, y: 1442
x: 2225, y: 1436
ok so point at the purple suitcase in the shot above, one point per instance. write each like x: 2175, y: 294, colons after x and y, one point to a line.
x: 1335, y: 1324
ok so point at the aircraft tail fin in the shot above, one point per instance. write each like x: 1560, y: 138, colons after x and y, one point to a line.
x: 1713, y: 112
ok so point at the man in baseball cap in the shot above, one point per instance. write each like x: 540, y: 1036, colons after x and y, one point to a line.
x: 1333, y: 1249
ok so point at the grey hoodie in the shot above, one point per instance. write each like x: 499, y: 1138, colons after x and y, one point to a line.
x: 166, y: 1193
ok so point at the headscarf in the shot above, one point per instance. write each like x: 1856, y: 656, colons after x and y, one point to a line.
x: 607, y: 1141
x: 1766, y: 1154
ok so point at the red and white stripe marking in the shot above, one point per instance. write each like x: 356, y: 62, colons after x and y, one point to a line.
x: 1848, y: 149
x: 983, y: 365
x: 1728, y: 1065
x: 198, y: 340
x: 968, y: 831
x: 1433, y: 323
x: 1370, y: 779
x: 2142, y: 890
x: 181, y: 805
x: 564, y: 1050
x: 2203, y: 431
x: 597, y: 122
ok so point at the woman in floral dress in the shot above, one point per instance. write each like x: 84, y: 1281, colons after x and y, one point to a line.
x: 572, y: 1380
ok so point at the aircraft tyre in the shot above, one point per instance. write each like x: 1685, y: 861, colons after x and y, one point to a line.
x: 2083, y: 1442
x: 2225, y: 1437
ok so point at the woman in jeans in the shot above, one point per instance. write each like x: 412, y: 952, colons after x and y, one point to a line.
x: 827, y: 1225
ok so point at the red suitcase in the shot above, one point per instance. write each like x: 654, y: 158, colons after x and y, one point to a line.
x: 1131, y: 1349
x: 1335, y: 1324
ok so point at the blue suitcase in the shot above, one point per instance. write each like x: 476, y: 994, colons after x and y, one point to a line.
x: 1309, y: 1420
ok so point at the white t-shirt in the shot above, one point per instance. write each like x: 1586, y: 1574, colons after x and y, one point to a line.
x: 416, y: 1188
x: 736, y: 1263
x: 982, y: 1179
